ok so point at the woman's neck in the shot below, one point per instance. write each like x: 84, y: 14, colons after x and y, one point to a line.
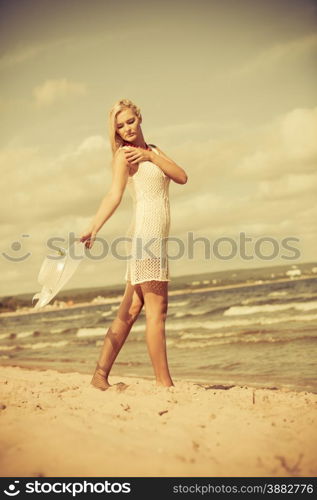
x: 135, y: 145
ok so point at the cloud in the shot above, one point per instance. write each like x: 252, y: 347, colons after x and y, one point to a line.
x: 94, y: 143
x: 26, y: 53
x: 52, y: 91
x: 287, y: 187
x: 42, y: 188
x: 285, y: 146
x: 276, y: 54
x: 299, y: 132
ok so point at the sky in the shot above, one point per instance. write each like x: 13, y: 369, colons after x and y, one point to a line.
x: 227, y: 89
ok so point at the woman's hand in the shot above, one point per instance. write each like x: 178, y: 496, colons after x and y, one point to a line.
x: 137, y: 155
x: 88, y: 237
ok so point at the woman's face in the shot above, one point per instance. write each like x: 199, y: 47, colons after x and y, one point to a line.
x: 127, y: 125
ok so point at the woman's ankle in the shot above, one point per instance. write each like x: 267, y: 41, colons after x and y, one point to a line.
x: 164, y: 382
x: 102, y: 371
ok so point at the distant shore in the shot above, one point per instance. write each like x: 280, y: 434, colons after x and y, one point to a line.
x: 184, y: 291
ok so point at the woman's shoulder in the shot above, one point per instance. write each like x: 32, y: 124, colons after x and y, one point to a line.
x: 120, y: 150
x: 119, y: 154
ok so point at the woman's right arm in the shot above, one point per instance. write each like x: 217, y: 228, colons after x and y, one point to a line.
x: 111, y: 200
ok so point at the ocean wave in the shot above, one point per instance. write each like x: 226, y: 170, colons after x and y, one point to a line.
x: 4, y: 335
x: 263, y: 299
x: 23, y: 335
x: 182, y: 327
x: 20, y: 335
x: 257, y: 321
x: 107, y: 313
x: 260, y: 305
x: 191, y: 336
x: 199, y: 312
x: 242, y: 310
x: 223, y: 323
x: 37, y: 345
x: 62, y: 318
x: 278, y: 294
x: 250, y: 339
x: 91, y: 332
x: 178, y: 304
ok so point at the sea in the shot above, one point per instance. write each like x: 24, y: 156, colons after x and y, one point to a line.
x: 257, y: 331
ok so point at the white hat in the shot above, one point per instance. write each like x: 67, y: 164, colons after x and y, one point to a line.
x: 55, y: 272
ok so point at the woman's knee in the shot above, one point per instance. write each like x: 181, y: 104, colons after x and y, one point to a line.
x: 155, y: 300
x: 131, y: 306
x: 156, y: 317
x: 134, y: 311
x: 129, y: 315
x: 156, y: 310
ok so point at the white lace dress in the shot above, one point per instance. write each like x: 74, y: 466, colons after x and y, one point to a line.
x: 147, y: 235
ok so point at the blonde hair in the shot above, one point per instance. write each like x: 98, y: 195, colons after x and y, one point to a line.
x: 115, y: 140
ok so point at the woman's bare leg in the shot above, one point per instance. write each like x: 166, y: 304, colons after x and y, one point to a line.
x: 117, y: 334
x: 155, y: 295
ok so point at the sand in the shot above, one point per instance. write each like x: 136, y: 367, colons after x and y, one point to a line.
x: 56, y: 424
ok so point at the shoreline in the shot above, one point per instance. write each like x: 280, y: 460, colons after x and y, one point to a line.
x: 146, y: 431
x: 185, y: 291
x: 203, y: 382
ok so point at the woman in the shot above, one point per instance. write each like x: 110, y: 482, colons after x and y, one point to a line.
x: 147, y: 171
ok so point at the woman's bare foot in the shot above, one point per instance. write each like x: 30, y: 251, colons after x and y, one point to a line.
x: 100, y: 381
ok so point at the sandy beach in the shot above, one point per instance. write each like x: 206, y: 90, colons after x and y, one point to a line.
x: 56, y: 424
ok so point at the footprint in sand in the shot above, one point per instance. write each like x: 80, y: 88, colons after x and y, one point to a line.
x: 120, y: 386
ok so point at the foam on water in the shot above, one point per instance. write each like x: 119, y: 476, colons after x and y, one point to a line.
x: 91, y: 332
x: 271, y: 308
x: 37, y: 345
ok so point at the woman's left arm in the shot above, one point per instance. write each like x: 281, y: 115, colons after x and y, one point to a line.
x: 169, y: 167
